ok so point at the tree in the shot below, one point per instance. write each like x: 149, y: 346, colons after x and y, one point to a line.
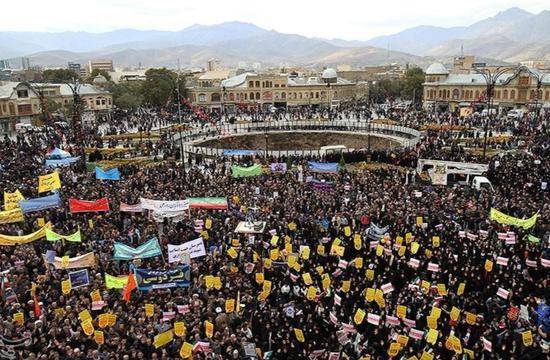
x: 59, y: 75
x: 386, y: 89
x: 412, y: 84
x: 160, y: 86
x: 127, y: 95
x: 96, y: 72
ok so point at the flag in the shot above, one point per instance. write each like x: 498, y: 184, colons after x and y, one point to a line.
x: 130, y: 286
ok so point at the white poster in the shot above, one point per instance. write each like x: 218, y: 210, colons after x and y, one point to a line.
x: 192, y: 249
x: 164, y: 206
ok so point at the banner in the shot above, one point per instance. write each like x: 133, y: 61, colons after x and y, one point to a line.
x: 146, y: 250
x: 78, y: 206
x: 79, y: 278
x: 52, y: 163
x: 49, y: 182
x: 163, y: 279
x: 52, y: 236
x: 82, y: 261
x: 321, y: 185
x: 239, y: 171
x: 502, y: 218
x: 130, y: 208
x: 11, y: 200
x: 194, y: 248
x: 11, y: 216
x: 323, y: 167
x: 164, y: 206
x: 278, y: 167
x: 246, y: 227
x: 111, y: 174
x: 238, y: 152
x: 41, y: 203
x: 213, y: 203
x: 115, y: 282
x: 12, y: 240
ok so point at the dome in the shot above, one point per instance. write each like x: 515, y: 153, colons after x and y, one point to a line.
x: 437, y: 69
x: 100, y: 79
x: 329, y: 73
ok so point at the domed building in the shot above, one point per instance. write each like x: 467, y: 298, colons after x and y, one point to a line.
x: 437, y: 69
x: 100, y: 81
x: 329, y: 76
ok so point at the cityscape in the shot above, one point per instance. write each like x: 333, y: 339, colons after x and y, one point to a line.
x: 307, y: 181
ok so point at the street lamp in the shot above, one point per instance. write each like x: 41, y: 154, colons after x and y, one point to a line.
x: 490, y: 78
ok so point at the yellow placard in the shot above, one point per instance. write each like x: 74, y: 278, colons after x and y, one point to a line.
x: 460, y: 290
x: 274, y: 254
x: 379, y: 250
x: 65, y: 261
x: 112, y: 319
x: 11, y: 200
x: 401, y: 311
x: 208, y: 224
x: 436, y: 241
x: 311, y: 293
x: 470, y: 318
x: 427, y: 356
x: 149, y: 310
x: 488, y: 265
x: 319, y: 269
x: 419, y: 221
x: 527, y: 337
x: 326, y: 281
x: 179, y: 329
x: 305, y: 252
x: 229, y: 305
x: 394, y: 349
x: 408, y: 237
x: 428, y: 253
x: 19, y: 318
x: 232, y: 253
x: 431, y: 337
x: 358, y: 262
x: 209, y: 329
x: 436, y: 312
x: 346, y: 285
x: 402, y: 250
x: 432, y: 322
x: 347, y: 231
x: 291, y: 260
x: 399, y: 240
x: 307, y: 278
x: 359, y: 316
x: 370, y: 274
x: 88, y: 327
x: 441, y: 289
x: 414, y: 247
x: 49, y: 182
x: 267, y: 286
x: 267, y: 263
x: 321, y: 249
x: 425, y: 286
x: 292, y: 226
x: 84, y: 315
x: 274, y: 240
x: 455, y: 313
x: 98, y: 337
x: 338, y: 250
x: 369, y: 294
x: 259, y: 278
x: 95, y: 295
x: 163, y: 338
x: 288, y: 248
x: 403, y: 340
x: 90, y: 223
x: 299, y: 335
x: 103, y: 320
x: 204, y: 235
x: 186, y: 350
x: 357, y: 242
x: 66, y: 286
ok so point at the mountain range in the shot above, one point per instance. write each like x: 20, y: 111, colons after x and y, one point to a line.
x: 509, y: 36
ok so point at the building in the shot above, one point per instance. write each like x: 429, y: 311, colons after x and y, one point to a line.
x: 19, y: 103
x: 517, y: 89
x: 78, y: 69
x: 106, y: 65
x: 25, y: 63
x: 252, y: 90
x: 212, y: 65
x: 4, y: 64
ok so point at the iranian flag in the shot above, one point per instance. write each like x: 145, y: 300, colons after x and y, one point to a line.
x: 213, y: 203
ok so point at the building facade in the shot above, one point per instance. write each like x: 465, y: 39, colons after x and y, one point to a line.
x: 262, y: 91
x: 20, y: 102
x: 106, y: 65
x: 521, y: 88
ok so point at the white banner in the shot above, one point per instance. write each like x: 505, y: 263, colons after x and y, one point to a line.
x: 191, y: 249
x: 161, y: 206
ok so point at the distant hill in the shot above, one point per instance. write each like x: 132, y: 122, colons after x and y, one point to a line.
x: 512, y: 35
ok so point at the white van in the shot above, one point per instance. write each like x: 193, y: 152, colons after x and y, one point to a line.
x: 21, y: 127
x: 324, y: 150
x: 480, y: 182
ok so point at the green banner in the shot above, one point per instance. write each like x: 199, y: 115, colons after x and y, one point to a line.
x: 239, y: 171
x: 502, y: 218
x: 53, y: 236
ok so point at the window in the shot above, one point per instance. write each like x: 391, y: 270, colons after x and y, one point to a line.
x: 25, y: 109
x: 523, y: 80
x: 546, y: 97
x: 456, y: 94
x: 216, y: 97
x: 22, y: 93
x: 257, y: 83
x: 512, y: 94
x: 505, y: 94
x: 251, y: 84
x: 202, y: 97
x: 251, y: 96
x: 257, y: 96
x: 283, y: 95
x: 98, y: 102
x: 245, y: 96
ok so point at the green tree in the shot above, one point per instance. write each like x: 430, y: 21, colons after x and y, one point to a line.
x: 160, y: 86
x: 385, y: 89
x: 412, y: 84
x: 96, y: 72
x: 58, y: 75
x: 127, y: 95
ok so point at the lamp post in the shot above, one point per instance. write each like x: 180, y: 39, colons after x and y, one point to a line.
x: 491, y: 78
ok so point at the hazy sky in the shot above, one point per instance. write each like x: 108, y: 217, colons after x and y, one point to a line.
x: 346, y: 19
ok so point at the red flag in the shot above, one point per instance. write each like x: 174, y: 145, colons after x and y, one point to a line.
x: 37, y: 309
x: 130, y: 286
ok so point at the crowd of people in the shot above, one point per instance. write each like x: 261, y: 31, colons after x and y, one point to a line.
x: 362, y: 263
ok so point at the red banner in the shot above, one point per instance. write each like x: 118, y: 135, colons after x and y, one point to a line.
x: 78, y: 206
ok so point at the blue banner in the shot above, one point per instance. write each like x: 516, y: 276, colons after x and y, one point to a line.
x: 146, y: 250
x: 79, y: 278
x: 61, y: 162
x: 163, y: 279
x: 323, y: 167
x: 41, y: 203
x: 111, y: 174
x: 238, y: 152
